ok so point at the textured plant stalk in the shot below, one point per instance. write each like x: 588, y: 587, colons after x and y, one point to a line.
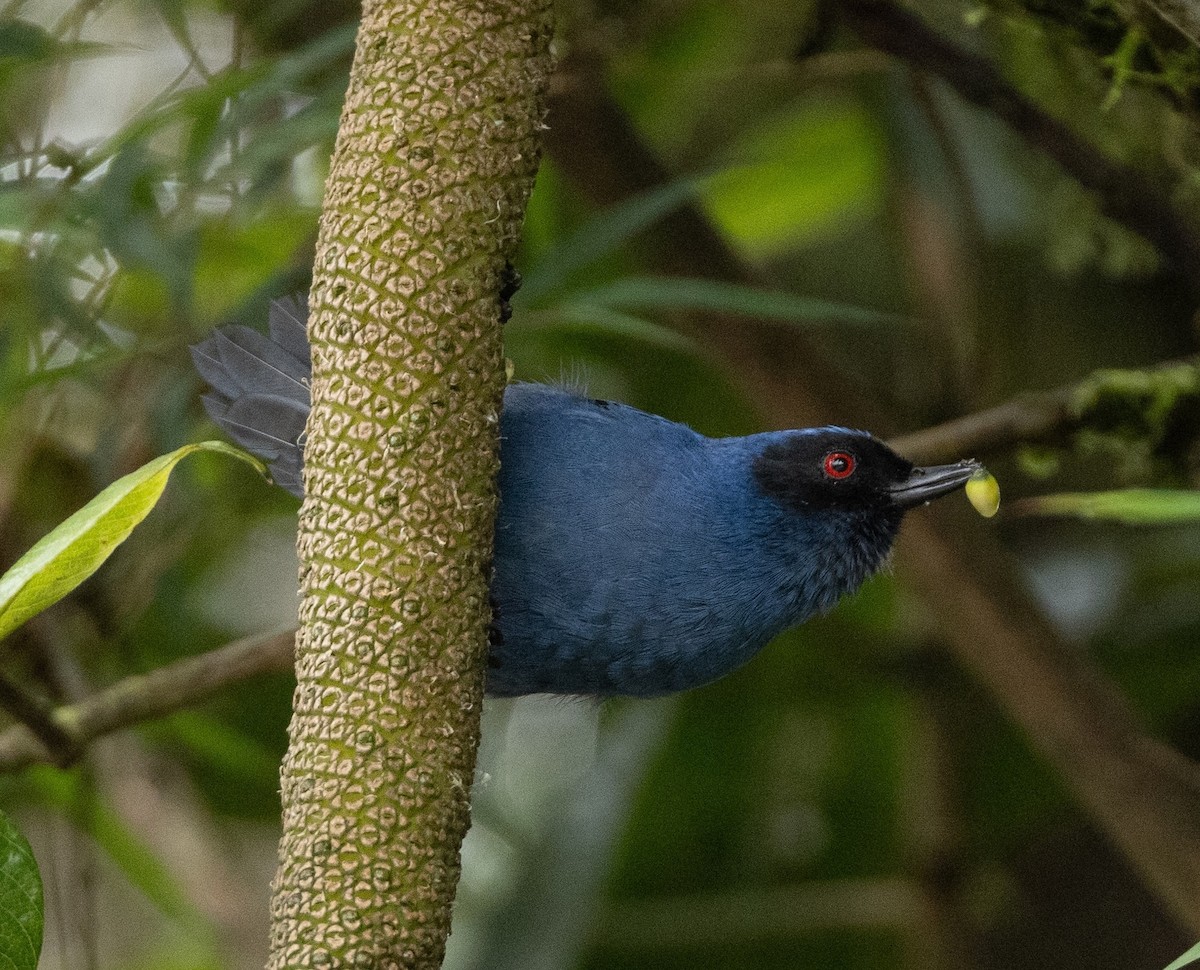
x: 434, y: 162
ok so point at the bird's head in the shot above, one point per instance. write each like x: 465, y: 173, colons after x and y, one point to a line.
x: 830, y: 469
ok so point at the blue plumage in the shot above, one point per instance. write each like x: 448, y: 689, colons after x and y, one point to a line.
x: 633, y: 556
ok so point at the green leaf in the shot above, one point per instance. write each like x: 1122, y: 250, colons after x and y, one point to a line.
x: 20, y: 901
x: 77, y: 547
x: 603, y: 235
x: 799, y: 177
x: 1183, y: 961
x: 675, y: 293
x: 1133, y: 506
x: 600, y: 319
x: 21, y: 40
x: 237, y: 91
x: 233, y: 260
x: 223, y: 747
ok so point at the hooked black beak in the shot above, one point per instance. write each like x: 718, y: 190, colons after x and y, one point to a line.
x: 925, y: 484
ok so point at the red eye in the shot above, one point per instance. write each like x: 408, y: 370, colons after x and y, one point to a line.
x: 839, y: 464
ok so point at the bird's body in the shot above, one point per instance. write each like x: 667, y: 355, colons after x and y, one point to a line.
x: 620, y: 572
x: 633, y: 556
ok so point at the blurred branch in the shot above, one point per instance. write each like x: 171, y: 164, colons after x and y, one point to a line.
x: 1144, y: 796
x: 144, y: 697
x: 1025, y: 419
x: 1125, y: 194
x: 37, y: 719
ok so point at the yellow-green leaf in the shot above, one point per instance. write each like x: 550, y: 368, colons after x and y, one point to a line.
x: 77, y: 547
x: 799, y: 176
x: 682, y: 293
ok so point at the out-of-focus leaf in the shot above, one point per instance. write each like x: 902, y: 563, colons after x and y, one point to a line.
x: 672, y: 293
x: 556, y: 884
x: 799, y: 176
x: 1191, y: 955
x: 21, y: 40
x: 175, y: 959
x: 279, y: 145
x: 1131, y: 506
x: 602, y: 319
x: 131, y: 224
x: 227, y: 750
x: 602, y: 235
x: 20, y: 900
x: 15, y: 203
x: 289, y: 73
x: 77, y: 547
x: 546, y: 217
x: 231, y: 98
x: 137, y: 295
x: 24, y: 41
x: 234, y: 259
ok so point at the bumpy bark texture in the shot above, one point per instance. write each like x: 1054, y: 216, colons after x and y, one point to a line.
x: 434, y: 163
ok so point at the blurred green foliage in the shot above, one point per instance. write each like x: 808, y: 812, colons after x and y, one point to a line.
x: 161, y: 166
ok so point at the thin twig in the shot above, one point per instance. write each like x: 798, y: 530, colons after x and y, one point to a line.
x: 1035, y: 418
x: 953, y: 295
x: 144, y: 697
x: 1027, y: 419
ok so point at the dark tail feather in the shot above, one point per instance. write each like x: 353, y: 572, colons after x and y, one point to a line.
x: 288, y: 323
x: 260, y: 395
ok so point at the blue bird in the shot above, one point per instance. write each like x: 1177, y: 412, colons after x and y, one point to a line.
x: 633, y: 556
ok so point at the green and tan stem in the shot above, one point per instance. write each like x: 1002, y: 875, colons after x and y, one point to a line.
x: 434, y: 162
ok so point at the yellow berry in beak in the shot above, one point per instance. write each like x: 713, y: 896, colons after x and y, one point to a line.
x: 984, y: 493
